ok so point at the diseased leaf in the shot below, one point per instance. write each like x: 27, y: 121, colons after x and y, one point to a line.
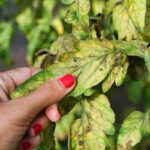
x: 136, y: 10
x: 63, y: 45
x: 117, y: 73
x: 128, y: 19
x: 123, y: 24
x: 90, y: 67
x: 77, y: 15
x: 134, y: 128
x: 110, y: 5
x: 146, y: 33
x: 91, y: 130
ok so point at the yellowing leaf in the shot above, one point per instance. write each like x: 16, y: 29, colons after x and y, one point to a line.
x: 136, y: 10
x: 63, y: 45
x: 90, y: 67
x: 77, y: 15
x: 146, y: 33
x: 91, y: 130
x: 134, y: 128
x: 117, y: 73
x: 129, y: 19
x: 123, y: 24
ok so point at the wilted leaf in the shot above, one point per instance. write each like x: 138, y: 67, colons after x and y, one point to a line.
x: 134, y: 128
x: 91, y: 130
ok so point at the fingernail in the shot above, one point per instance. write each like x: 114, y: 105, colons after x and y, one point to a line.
x: 37, y: 128
x: 25, y: 146
x: 67, y: 80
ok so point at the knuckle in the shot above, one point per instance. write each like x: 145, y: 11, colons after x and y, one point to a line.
x: 53, y: 90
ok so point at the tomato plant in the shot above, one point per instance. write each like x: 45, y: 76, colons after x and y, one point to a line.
x: 108, y: 44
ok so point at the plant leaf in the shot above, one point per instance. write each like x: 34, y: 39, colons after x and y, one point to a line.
x: 91, y: 130
x: 91, y: 64
x: 48, y: 139
x: 77, y: 15
x: 117, y: 74
x: 67, y: 1
x: 134, y: 128
x: 6, y: 32
x: 128, y: 19
x: 63, y: 45
x: 146, y: 33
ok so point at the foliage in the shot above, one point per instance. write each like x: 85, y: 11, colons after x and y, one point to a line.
x: 108, y: 44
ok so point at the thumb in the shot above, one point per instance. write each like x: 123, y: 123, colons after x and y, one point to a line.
x: 46, y: 95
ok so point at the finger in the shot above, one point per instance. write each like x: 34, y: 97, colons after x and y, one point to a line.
x: 48, y: 94
x: 9, y: 80
x: 38, y: 125
x: 30, y: 143
x: 53, y: 113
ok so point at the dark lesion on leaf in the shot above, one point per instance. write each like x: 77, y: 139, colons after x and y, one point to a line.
x: 81, y: 142
x: 127, y: 146
x: 48, y: 60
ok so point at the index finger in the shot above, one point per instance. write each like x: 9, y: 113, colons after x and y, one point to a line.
x: 9, y: 80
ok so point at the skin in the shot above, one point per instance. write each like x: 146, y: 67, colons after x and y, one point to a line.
x: 17, y: 117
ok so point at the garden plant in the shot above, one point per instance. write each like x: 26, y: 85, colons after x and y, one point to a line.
x: 104, y: 44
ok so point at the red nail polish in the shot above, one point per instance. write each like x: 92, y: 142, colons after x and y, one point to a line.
x: 25, y: 146
x: 68, y: 80
x: 37, y: 129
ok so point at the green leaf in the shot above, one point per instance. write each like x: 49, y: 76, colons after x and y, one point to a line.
x: 67, y: 1
x: 6, y: 32
x: 91, y: 130
x: 25, y: 20
x: 128, y: 19
x: 135, y: 127
x: 48, y: 139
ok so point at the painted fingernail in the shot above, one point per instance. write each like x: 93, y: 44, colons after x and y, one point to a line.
x: 25, y: 146
x: 37, y: 128
x: 67, y: 80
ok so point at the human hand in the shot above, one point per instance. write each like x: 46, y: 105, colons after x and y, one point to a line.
x: 22, y: 120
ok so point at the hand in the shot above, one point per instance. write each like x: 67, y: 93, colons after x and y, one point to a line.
x: 22, y: 120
